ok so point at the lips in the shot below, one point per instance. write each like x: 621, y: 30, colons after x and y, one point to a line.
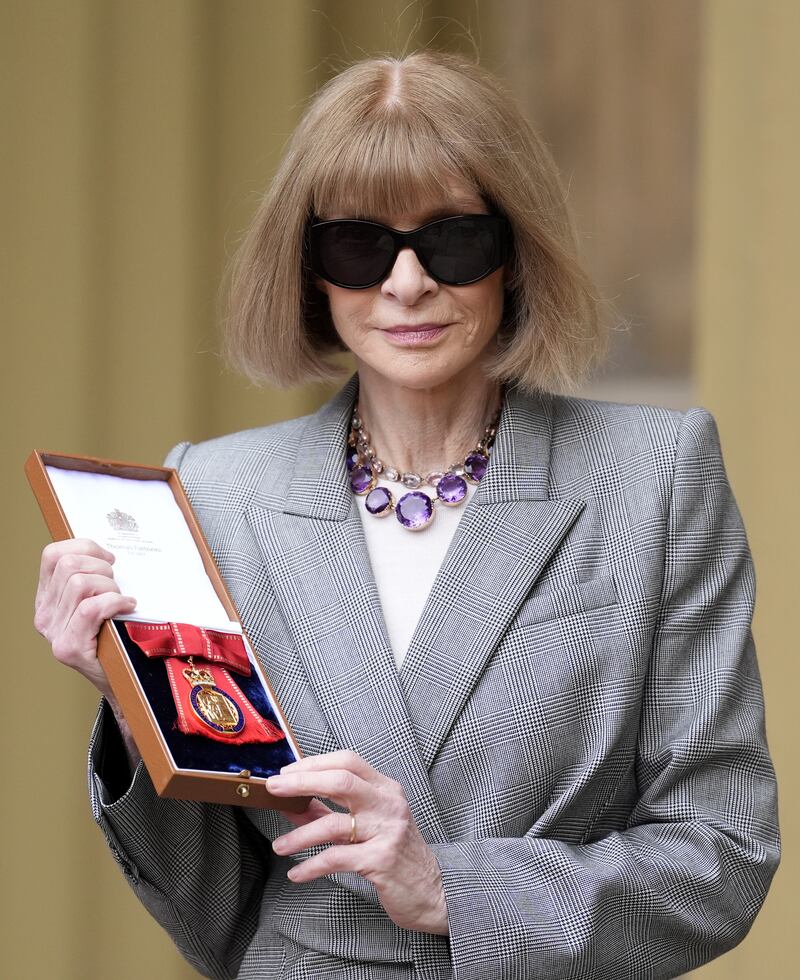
x: 416, y: 334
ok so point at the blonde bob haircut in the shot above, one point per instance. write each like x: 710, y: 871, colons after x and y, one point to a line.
x: 383, y: 133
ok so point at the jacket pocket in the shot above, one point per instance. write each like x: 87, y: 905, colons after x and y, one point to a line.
x: 595, y: 593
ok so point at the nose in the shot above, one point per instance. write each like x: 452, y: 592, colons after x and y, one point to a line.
x: 408, y: 281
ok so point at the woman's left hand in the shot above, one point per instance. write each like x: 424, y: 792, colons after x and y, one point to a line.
x: 388, y: 850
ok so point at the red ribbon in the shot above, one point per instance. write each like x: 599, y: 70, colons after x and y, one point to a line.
x: 212, y: 651
x: 184, y: 640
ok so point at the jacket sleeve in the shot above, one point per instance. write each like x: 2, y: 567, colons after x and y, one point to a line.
x: 198, y: 868
x: 684, y: 880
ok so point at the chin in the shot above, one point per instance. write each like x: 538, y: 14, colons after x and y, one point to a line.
x: 419, y: 376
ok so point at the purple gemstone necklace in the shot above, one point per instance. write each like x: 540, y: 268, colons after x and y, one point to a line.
x: 415, y: 509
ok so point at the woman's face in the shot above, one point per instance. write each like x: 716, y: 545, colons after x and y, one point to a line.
x: 411, y: 330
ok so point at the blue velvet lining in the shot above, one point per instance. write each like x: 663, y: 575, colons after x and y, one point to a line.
x: 195, y: 751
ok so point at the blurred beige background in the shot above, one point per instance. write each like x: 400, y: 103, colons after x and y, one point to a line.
x: 137, y: 136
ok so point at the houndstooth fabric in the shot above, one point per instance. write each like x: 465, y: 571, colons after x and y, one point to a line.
x: 578, y: 724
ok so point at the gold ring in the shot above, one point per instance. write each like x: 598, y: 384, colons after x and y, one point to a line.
x: 352, y: 839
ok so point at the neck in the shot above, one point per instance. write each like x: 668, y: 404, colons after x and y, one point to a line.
x: 425, y: 430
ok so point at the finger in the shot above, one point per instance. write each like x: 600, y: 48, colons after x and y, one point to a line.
x: 313, y: 811
x: 57, y: 549
x: 334, y: 859
x: 343, y: 759
x: 71, y: 565
x: 68, y: 586
x: 339, y: 785
x: 77, y: 644
x: 82, y: 586
x: 334, y: 828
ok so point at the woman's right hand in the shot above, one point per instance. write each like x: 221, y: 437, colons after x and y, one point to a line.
x: 76, y: 594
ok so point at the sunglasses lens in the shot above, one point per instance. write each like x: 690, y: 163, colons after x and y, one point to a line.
x: 461, y: 249
x: 352, y: 253
x: 455, y: 251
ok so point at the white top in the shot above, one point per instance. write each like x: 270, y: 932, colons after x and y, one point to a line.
x: 405, y: 563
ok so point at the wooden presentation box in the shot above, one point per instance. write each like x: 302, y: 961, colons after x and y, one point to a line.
x: 183, y: 766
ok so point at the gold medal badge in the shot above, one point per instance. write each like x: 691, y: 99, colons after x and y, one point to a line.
x: 213, y: 706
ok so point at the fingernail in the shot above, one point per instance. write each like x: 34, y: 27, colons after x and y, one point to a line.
x: 129, y: 599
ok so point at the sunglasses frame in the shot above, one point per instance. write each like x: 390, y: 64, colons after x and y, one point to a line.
x: 408, y: 239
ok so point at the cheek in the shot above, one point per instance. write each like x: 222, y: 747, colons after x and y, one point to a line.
x: 487, y: 306
x: 340, y: 305
x: 346, y: 308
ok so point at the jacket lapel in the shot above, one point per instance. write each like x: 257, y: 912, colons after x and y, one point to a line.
x: 319, y: 567
x: 507, y: 535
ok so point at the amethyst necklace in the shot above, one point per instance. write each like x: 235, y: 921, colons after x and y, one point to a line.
x: 415, y: 509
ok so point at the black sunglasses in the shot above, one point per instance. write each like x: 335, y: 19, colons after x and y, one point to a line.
x: 455, y: 251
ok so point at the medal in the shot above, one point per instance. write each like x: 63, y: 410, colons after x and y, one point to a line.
x: 208, y: 701
x: 214, y: 707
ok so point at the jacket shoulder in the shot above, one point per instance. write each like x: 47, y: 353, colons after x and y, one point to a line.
x: 244, y: 462
x: 598, y: 445
x: 572, y: 415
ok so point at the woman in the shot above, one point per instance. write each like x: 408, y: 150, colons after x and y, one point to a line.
x: 538, y: 719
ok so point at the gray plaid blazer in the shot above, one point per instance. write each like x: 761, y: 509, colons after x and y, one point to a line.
x: 578, y: 723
